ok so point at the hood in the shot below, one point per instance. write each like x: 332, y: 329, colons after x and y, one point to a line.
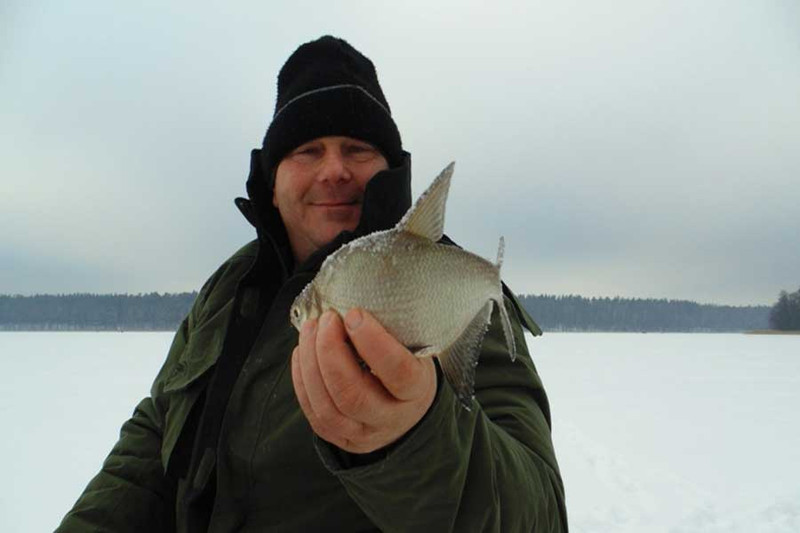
x: 387, y: 197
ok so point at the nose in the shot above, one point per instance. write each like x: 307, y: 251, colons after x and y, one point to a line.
x: 334, y: 167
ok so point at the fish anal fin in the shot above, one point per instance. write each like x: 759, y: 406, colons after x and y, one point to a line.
x: 459, y: 360
x: 426, y: 217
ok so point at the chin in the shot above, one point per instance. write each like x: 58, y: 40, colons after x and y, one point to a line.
x: 335, y: 232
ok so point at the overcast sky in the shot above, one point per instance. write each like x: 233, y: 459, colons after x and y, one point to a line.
x: 638, y: 148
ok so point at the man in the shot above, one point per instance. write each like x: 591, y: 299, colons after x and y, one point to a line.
x: 252, y: 427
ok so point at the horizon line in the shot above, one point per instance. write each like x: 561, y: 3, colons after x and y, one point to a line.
x: 570, y: 295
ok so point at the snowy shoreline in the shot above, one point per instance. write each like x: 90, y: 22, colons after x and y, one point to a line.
x: 656, y: 433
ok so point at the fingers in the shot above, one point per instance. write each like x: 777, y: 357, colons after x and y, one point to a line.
x: 348, y: 406
x: 354, y: 391
x: 402, y: 374
x: 317, y: 424
x: 314, y: 399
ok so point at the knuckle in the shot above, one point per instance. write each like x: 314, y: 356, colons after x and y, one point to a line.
x: 359, y: 441
x: 325, y: 429
x: 346, y: 436
x: 350, y: 398
x: 327, y: 414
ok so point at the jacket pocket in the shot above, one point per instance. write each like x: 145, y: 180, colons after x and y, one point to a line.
x: 203, y: 348
x: 188, y: 379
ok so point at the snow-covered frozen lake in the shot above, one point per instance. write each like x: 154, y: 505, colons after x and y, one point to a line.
x: 654, y: 432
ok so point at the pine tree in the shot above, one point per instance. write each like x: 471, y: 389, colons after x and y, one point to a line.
x: 785, y: 314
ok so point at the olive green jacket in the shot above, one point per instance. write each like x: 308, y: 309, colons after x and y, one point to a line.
x: 491, y: 468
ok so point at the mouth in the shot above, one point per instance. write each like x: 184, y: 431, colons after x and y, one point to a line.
x: 337, y: 203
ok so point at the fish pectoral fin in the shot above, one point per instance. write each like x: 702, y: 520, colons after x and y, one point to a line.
x: 426, y: 217
x: 423, y: 351
x: 459, y: 360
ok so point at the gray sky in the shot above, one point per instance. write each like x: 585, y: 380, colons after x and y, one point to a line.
x: 639, y: 148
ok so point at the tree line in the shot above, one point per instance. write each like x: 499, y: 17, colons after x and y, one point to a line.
x: 785, y: 314
x: 576, y: 313
x: 94, y: 312
x: 164, y: 312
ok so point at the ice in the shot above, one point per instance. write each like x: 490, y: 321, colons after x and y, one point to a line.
x: 654, y: 432
x: 64, y: 398
x: 675, y: 432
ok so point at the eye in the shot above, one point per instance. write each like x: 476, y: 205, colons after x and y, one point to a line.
x: 361, y: 151
x: 306, y: 151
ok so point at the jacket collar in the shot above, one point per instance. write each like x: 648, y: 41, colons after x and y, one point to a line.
x: 386, y: 199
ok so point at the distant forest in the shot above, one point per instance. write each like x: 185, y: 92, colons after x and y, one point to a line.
x: 576, y: 313
x: 163, y: 312
x: 94, y: 312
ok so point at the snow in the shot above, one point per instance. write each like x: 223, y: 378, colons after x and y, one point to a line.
x: 675, y: 432
x: 654, y: 432
x: 64, y: 398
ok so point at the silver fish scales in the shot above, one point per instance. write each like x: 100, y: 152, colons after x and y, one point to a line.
x: 434, y: 298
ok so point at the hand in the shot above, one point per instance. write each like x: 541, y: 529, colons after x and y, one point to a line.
x: 357, y: 409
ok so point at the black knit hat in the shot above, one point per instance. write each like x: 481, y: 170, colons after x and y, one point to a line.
x: 327, y: 87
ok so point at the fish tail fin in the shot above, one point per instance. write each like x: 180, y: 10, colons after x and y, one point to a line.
x: 501, y: 249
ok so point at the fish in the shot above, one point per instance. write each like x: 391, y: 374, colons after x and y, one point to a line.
x: 434, y: 298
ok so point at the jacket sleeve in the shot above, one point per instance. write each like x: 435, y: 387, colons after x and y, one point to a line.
x: 131, y: 492
x: 492, y: 468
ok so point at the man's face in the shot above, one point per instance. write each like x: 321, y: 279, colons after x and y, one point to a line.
x: 319, y: 189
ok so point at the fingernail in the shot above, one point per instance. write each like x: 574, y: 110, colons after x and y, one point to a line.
x: 326, y: 318
x: 353, y: 319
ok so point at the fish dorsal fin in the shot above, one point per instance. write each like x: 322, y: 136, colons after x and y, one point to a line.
x: 426, y: 217
x: 459, y: 360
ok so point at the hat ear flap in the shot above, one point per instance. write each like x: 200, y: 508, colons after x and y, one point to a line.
x: 259, y: 183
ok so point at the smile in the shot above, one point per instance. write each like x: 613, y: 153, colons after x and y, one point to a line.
x: 336, y: 204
